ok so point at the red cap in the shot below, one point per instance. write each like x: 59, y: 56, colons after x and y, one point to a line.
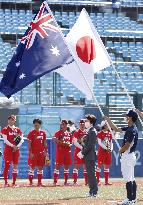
x: 82, y: 121
x: 64, y: 122
x: 13, y: 117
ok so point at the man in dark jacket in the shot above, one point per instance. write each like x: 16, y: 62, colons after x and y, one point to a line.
x: 89, y: 154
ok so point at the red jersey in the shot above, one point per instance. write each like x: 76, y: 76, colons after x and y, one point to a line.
x: 37, y: 140
x: 104, y: 136
x: 11, y: 133
x: 79, y: 134
x: 65, y: 137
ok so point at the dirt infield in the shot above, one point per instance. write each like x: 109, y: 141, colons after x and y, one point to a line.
x: 65, y: 195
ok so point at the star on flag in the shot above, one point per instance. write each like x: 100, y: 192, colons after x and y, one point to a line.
x: 17, y: 64
x: 22, y: 76
x: 55, y: 51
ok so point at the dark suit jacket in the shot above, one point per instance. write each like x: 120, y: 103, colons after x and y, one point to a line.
x: 89, y: 145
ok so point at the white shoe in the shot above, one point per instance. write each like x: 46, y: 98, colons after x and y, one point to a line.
x: 134, y: 201
x: 125, y: 202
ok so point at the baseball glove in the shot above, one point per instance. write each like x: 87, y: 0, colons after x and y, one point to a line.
x: 47, y: 161
x: 17, y: 139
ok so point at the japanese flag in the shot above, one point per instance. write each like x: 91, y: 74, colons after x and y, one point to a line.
x: 88, y: 52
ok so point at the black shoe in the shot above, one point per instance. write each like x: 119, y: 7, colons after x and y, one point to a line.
x: 91, y: 195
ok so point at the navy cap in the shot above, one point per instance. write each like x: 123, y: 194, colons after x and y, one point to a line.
x: 132, y: 113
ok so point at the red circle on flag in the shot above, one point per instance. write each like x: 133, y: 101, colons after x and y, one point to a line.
x: 85, y: 49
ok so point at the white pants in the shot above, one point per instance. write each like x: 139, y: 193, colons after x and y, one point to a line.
x: 128, y: 161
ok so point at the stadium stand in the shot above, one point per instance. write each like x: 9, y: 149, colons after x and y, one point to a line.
x: 120, y: 32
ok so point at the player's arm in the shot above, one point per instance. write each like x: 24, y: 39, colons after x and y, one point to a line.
x: 4, y: 135
x: 139, y: 113
x: 75, y: 141
x: 76, y: 144
x: 130, y: 137
x: 101, y: 144
x: 29, y: 137
x: 46, y: 147
x: 56, y: 138
x: 112, y: 125
x: 6, y: 140
x: 125, y: 147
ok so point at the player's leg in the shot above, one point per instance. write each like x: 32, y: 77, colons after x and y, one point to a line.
x: 134, y: 185
x: 127, y: 176
x: 15, y: 160
x: 67, y: 161
x: 98, y: 171
x: 85, y: 174
x: 7, y: 162
x: 56, y: 173
x: 14, y: 174
x: 40, y: 165
x: 5, y: 172
x: 31, y: 175
x: 75, y: 173
x: 32, y: 165
x: 40, y: 176
x: 106, y: 174
x: 66, y: 174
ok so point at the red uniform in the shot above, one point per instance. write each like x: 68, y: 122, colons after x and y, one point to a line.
x: 37, y: 140
x: 104, y: 157
x: 63, y: 152
x: 9, y: 155
x: 78, y: 135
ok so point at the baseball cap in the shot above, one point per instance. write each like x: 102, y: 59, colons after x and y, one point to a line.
x: 132, y: 113
x: 64, y: 122
x: 82, y: 121
x: 103, y: 123
x: 12, y: 117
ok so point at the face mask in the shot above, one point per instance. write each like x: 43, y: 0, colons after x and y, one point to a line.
x: 87, y: 125
x: 126, y: 119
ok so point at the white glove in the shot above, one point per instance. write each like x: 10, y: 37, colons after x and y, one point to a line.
x: 80, y: 155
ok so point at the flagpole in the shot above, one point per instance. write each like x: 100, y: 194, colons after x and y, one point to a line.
x: 125, y: 89
x: 90, y: 89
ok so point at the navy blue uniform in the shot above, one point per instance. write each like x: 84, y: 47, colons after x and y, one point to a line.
x: 131, y: 136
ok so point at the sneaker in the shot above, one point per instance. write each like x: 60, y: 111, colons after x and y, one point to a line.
x: 125, y: 202
x: 66, y: 184
x: 56, y: 184
x: 108, y: 184
x: 30, y: 184
x: 75, y: 184
x: 14, y: 185
x: 6, y: 184
x: 134, y: 201
x: 41, y: 185
x: 90, y: 195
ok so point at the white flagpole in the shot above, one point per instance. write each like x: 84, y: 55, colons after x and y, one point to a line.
x: 90, y: 89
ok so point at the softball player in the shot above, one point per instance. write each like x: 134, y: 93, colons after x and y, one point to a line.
x: 13, y: 139
x: 104, y: 156
x: 128, y: 158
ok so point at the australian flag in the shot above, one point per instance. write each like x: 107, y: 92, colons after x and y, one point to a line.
x: 41, y: 50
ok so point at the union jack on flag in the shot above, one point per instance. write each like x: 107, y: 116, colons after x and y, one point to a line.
x: 41, y: 50
x: 40, y: 25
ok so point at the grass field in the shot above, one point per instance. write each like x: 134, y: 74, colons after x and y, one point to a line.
x: 107, y: 195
